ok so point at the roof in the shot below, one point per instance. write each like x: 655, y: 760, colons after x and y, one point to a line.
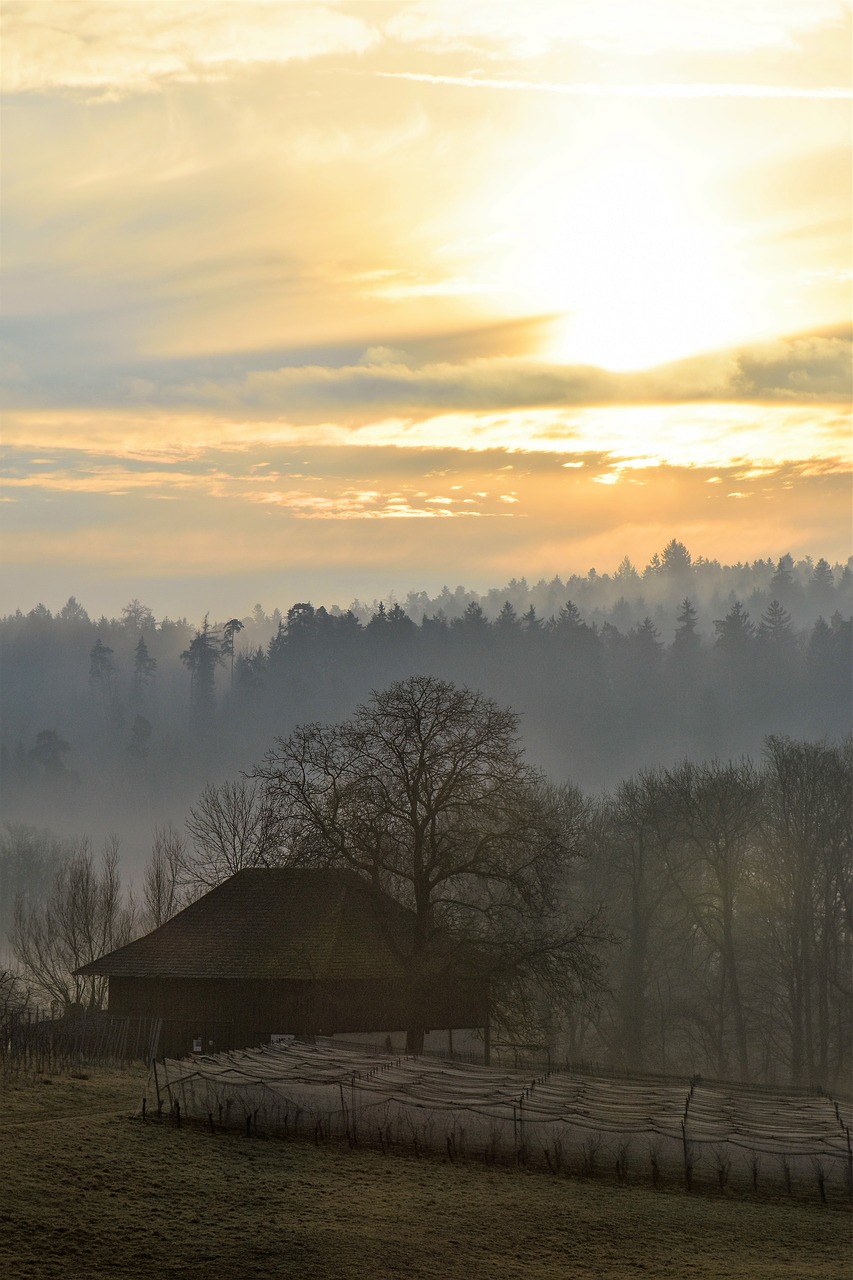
x: 281, y: 922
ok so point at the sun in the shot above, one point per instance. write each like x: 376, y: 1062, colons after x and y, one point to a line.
x: 623, y: 249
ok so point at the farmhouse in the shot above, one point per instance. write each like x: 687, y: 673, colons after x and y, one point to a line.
x: 292, y: 952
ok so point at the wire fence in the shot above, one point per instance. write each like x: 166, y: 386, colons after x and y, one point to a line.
x: 661, y: 1130
x: 32, y: 1042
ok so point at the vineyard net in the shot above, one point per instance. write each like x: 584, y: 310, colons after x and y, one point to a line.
x: 556, y: 1119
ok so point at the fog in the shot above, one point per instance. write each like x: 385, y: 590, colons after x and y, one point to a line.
x: 113, y: 727
x: 106, y: 728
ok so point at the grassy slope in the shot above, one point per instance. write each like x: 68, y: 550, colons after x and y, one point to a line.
x: 87, y: 1192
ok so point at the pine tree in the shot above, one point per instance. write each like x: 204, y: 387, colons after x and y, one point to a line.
x: 136, y: 615
x: 399, y: 622
x: 530, y: 622
x: 101, y: 667
x: 202, y: 658
x: 73, y: 611
x: 775, y: 627
x: 300, y: 619
x: 507, y: 620
x: 144, y: 667
x: 379, y: 619
x: 626, y: 571
x: 822, y: 587
x: 686, y: 640
x: 232, y: 627
x: 569, y: 620
x: 251, y: 668
x: 735, y: 632
x: 675, y: 558
x: 473, y: 619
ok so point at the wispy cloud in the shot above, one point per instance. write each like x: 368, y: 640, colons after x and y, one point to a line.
x: 223, y: 451
x: 119, y: 47
x: 639, y: 90
x: 353, y: 505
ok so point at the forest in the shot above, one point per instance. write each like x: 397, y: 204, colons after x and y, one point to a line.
x: 699, y: 715
x: 110, y: 717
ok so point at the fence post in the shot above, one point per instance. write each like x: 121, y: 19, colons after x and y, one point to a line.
x: 685, y: 1145
x: 157, y: 1088
x: 521, y: 1126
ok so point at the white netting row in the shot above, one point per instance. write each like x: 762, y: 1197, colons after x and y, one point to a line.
x: 337, y: 1090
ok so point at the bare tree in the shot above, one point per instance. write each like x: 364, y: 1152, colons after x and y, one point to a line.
x: 233, y: 826
x: 716, y: 811
x: 162, y: 894
x: 638, y: 830
x: 14, y: 997
x: 29, y: 859
x: 85, y: 915
x: 805, y: 875
x: 425, y: 794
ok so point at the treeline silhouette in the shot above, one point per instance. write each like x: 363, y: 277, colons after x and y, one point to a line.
x: 128, y: 717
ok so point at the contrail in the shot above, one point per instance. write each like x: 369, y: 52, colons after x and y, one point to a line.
x: 592, y: 90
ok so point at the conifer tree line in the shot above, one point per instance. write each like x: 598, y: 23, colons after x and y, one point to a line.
x: 610, y: 673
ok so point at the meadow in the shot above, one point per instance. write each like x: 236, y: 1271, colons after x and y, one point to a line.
x: 89, y: 1190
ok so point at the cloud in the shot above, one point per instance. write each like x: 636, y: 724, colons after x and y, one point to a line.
x: 353, y: 524
x: 804, y: 366
x: 351, y: 504
x: 802, y: 369
x: 110, y: 50
x: 593, y: 440
x: 623, y: 26
x: 119, y: 47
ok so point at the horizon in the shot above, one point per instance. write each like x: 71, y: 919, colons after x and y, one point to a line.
x: 399, y: 593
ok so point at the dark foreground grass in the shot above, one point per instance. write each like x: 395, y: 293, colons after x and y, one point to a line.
x: 87, y: 1190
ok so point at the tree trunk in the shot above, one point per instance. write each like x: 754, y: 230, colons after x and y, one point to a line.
x: 415, y: 1041
x: 730, y: 962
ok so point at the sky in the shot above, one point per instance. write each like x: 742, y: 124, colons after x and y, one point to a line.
x: 330, y: 300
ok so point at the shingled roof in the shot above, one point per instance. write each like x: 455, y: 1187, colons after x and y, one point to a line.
x: 283, y: 923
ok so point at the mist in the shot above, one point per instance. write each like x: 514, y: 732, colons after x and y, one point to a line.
x: 114, y: 725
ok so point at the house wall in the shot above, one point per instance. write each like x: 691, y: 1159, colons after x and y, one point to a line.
x: 239, y: 1013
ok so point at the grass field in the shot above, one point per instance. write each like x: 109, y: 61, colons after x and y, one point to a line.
x: 87, y: 1190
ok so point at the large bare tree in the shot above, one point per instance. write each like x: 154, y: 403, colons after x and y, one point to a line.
x: 425, y: 793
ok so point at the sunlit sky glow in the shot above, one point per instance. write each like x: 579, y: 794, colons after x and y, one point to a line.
x: 323, y: 300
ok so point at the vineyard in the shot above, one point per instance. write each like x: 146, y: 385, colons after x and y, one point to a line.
x: 662, y: 1131
x: 32, y: 1042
